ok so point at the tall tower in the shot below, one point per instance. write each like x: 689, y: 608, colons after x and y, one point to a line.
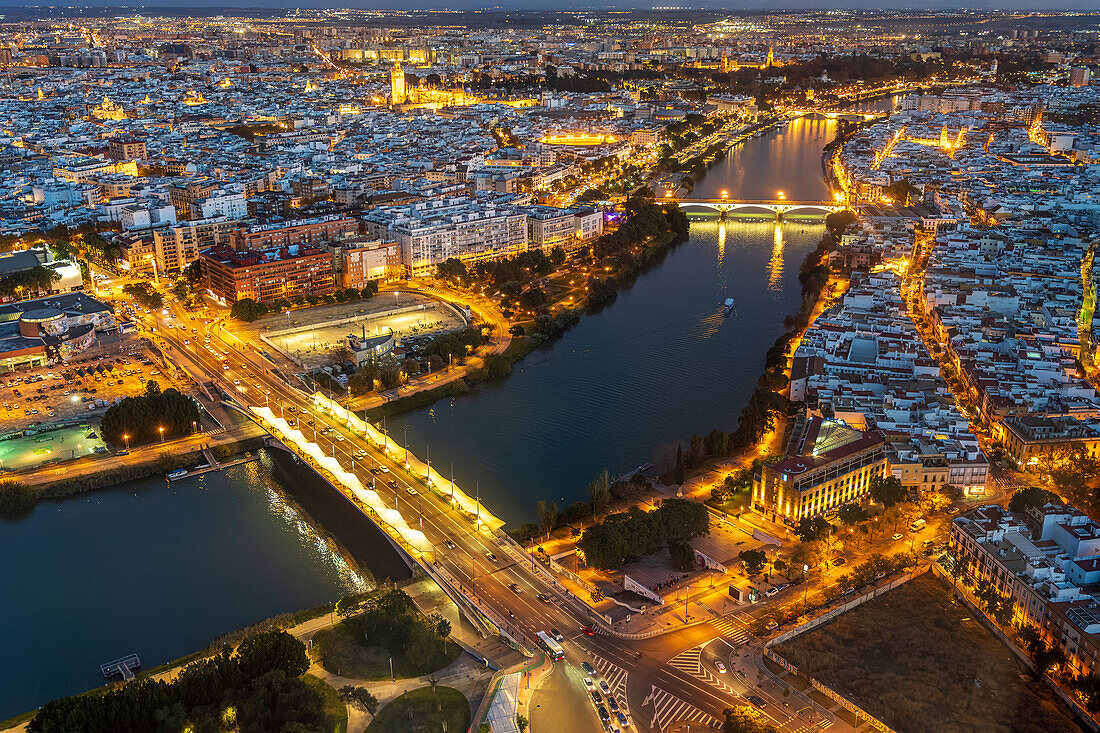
x: 725, y: 62
x: 397, y: 84
x: 771, y: 57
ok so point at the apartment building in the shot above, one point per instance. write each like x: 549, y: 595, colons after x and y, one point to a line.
x: 124, y: 147
x: 430, y: 232
x: 549, y: 227
x: 284, y: 233
x: 1027, y: 438
x: 1047, y: 561
x: 362, y: 261
x: 828, y: 464
x: 267, y: 275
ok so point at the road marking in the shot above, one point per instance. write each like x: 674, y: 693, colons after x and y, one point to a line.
x: 691, y: 662
x: 668, y: 709
x: 732, y: 628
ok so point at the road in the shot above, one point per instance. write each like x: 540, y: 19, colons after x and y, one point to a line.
x: 649, y: 677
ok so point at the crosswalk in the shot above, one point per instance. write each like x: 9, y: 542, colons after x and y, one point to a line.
x: 691, y: 662
x: 661, y: 709
x: 732, y: 628
x: 615, y: 677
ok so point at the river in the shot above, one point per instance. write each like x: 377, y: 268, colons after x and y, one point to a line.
x: 162, y: 569
x: 657, y: 365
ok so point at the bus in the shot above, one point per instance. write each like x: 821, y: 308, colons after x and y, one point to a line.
x: 551, y: 646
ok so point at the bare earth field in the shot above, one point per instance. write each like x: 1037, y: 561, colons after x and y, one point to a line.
x: 923, y: 664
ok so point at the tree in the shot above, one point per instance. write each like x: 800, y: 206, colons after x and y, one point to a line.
x: 521, y: 723
x: 812, y: 528
x: 271, y: 650
x: 684, y: 520
x: 346, y: 606
x: 681, y: 556
x: 744, y: 720
x: 548, y: 516
x: 1029, y: 497
x: 16, y: 499
x: 144, y: 295
x: 678, y: 471
x: 754, y: 560
x: 247, y: 309
x: 852, y: 513
x: 599, y: 492
x: 359, y: 697
x: 888, y: 490
x: 951, y: 491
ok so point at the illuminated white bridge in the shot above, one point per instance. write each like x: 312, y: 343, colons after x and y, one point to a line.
x: 779, y: 207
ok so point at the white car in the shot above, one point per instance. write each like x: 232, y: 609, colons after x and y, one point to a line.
x: 720, y: 667
x: 588, y: 685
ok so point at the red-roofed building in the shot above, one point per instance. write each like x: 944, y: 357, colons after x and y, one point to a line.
x: 828, y: 464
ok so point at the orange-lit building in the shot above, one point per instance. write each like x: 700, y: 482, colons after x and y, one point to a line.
x: 314, y: 231
x: 267, y: 275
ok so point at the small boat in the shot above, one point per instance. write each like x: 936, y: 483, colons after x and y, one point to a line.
x: 178, y: 473
x: 728, y: 305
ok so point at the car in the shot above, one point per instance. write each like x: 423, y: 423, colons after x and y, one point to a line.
x: 490, y: 557
x: 589, y: 685
x: 781, y: 587
x: 838, y: 562
x: 588, y: 631
x: 604, y: 688
x: 450, y: 545
x: 771, y: 625
x: 557, y: 636
x: 612, y: 704
x: 515, y: 588
x: 605, y: 717
x: 122, y: 452
x: 596, y: 698
x: 757, y: 701
x: 623, y: 722
x: 587, y: 668
x: 543, y: 597
x: 411, y: 491
x: 720, y: 667
x: 771, y: 592
x: 896, y: 536
x: 385, y: 470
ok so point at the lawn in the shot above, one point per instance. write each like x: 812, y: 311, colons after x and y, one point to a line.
x: 923, y: 664
x: 340, y: 650
x: 424, y: 711
x: 335, y: 709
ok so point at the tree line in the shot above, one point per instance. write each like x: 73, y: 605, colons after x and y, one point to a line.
x: 256, y: 688
x: 248, y: 310
x: 621, y: 537
x: 142, y: 417
x: 391, y: 620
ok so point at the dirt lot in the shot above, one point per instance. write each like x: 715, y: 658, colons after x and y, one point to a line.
x: 924, y: 665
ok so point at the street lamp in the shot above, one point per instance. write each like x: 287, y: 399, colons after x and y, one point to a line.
x: 161, y: 431
x: 126, y: 437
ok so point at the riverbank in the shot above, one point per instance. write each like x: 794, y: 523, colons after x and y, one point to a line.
x: 522, y: 346
x: 91, y: 473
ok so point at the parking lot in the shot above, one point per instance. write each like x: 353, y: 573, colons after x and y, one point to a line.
x: 73, y: 392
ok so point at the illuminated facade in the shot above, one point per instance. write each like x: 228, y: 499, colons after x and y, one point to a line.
x: 828, y: 465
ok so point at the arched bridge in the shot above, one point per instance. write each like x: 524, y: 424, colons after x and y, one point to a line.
x: 835, y: 114
x: 779, y: 207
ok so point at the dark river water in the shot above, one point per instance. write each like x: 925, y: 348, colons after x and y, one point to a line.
x: 161, y: 569
x: 655, y: 366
